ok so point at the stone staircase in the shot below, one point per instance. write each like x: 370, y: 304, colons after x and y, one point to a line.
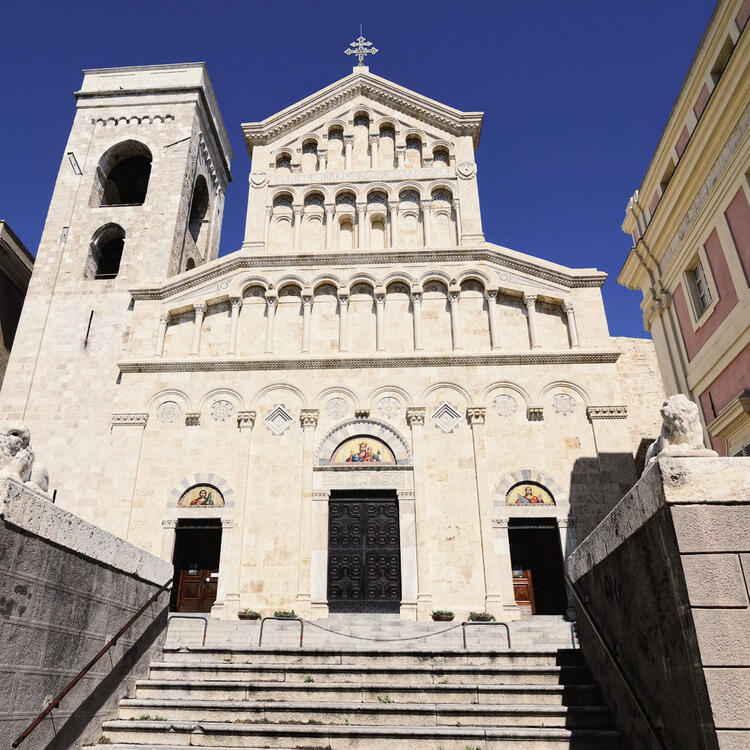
x: 338, y: 692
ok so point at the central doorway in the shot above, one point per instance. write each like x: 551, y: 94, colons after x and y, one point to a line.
x: 196, y: 565
x: 364, y: 552
x: 537, y: 562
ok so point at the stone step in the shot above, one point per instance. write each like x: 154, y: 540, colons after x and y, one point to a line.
x: 394, y: 674
x: 369, y: 692
x: 405, y: 657
x: 193, y: 734
x: 377, y: 714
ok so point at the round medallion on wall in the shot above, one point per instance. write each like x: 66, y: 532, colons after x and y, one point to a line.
x: 221, y: 411
x: 168, y: 412
x: 337, y: 407
x: 564, y: 404
x: 505, y: 405
x: 466, y: 169
x: 389, y: 406
x: 258, y: 179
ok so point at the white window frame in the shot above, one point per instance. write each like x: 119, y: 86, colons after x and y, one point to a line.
x: 699, y: 317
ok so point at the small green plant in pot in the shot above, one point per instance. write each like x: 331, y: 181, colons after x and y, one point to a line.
x: 287, y: 614
x: 481, y: 617
x: 442, y: 615
x: 248, y: 614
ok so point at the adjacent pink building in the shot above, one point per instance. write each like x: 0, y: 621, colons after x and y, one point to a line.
x: 690, y: 226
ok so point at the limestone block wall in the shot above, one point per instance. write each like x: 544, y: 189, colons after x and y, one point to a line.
x: 66, y: 587
x: 666, y: 576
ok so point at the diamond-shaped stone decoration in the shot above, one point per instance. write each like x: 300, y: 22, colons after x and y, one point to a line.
x: 446, y: 417
x: 278, y: 419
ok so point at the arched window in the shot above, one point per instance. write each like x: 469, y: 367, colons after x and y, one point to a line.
x: 105, y: 253
x: 440, y: 157
x: 283, y: 161
x: 336, y: 148
x: 281, y: 230
x: 309, y: 156
x: 122, y: 175
x: 413, y: 152
x: 190, y: 265
x: 198, y: 207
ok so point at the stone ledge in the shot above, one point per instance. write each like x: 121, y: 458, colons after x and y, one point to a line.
x: 668, y: 481
x: 31, y: 511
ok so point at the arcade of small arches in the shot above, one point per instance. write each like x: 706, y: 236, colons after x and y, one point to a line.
x: 362, y: 316
x: 403, y: 215
x: 361, y: 142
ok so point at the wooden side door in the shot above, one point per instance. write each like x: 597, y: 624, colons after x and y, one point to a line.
x: 523, y: 590
x: 197, y: 590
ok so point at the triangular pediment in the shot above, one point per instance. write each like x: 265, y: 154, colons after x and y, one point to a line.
x: 362, y: 83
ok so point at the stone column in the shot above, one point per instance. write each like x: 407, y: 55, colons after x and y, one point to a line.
x: 380, y: 320
x: 271, y: 301
x: 401, y: 156
x: 197, y: 325
x: 363, y: 239
x: 297, y: 225
x: 498, y: 593
x: 330, y: 209
x: 224, y: 606
x: 415, y: 416
x: 572, y: 330
x: 267, y: 227
x: 322, y: 159
x: 234, y: 314
x: 455, y: 324
x: 408, y: 541
x: 416, y: 310
x: 492, y: 311
x: 309, y: 421
x: 307, y: 300
x: 457, y: 212
x: 348, y: 146
x: 501, y: 550
x: 374, y: 139
x: 568, y: 542
x: 319, y: 554
x: 426, y: 222
x: 162, y: 334
x: 343, y: 306
x: 530, y: 301
x: 393, y: 216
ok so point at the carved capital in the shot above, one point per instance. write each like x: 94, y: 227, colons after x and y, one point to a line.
x: 169, y: 523
x: 192, y: 419
x: 297, y: 209
x: 425, y: 204
x: 529, y: 300
x: 567, y: 307
x: 567, y: 522
x: 271, y: 300
x: 361, y: 413
x: 416, y: 296
x: 132, y: 419
x: 491, y: 294
x: 307, y: 298
x: 321, y: 495
x: 246, y: 420
x: 236, y: 303
x: 348, y: 140
x: 476, y: 414
x: 199, y: 308
x: 309, y: 417
x: 500, y: 523
x: 164, y: 318
x: 607, y: 412
x: 535, y: 413
x: 393, y: 206
x: 415, y: 415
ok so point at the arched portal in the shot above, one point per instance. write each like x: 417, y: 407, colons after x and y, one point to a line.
x: 364, y: 521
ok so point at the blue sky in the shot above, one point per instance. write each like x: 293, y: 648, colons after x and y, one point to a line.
x: 575, y: 96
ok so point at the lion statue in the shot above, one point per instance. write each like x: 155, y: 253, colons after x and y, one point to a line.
x: 681, y: 431
x: 17, y: 458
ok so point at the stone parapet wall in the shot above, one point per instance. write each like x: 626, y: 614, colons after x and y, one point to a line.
x: 66, y: 587
x: 666, y: 576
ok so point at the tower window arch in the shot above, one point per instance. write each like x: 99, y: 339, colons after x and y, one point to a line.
x: 123, y: 174
x: 283, y: 161
x: 440, y: 157
x: 105, y: 252
x: 198, y: 207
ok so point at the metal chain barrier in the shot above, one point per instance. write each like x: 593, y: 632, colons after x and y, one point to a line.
x: 383, y: 640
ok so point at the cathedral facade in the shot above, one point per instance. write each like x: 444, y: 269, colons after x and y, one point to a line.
x: 366, y: 407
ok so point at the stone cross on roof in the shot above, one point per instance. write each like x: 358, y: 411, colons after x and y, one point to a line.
x: 361, y: 48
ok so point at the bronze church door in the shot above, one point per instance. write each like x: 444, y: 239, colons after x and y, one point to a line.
x: 364, y: 553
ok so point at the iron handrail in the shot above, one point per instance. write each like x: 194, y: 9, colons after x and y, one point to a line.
x: 111, y: 642
x: 192, y: 617
x: 484, y: 622
x: 615, y: 662
x: 293, y: 619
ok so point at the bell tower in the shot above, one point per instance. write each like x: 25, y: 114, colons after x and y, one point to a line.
x: 139, y: 197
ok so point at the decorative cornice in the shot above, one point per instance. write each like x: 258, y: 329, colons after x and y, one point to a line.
x: 238, y: 262
x: 126, y: 419
x: 348, y: 362
x: 607, y: 412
